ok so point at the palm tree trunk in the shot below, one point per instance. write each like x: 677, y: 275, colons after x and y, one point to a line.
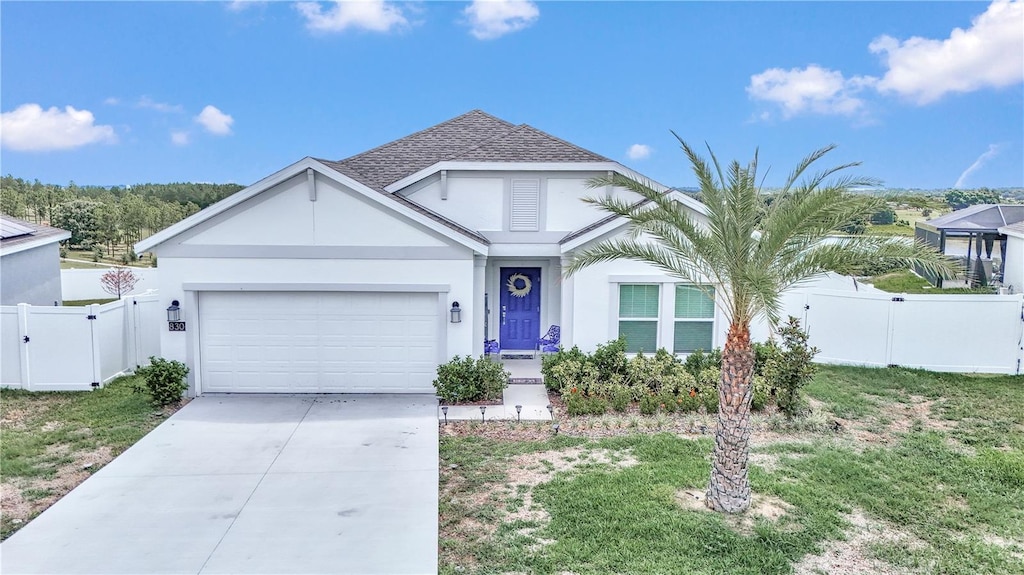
x: 729, y: 490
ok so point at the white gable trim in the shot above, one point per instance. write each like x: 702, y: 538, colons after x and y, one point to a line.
x: 293, y: 170
x: 32, y: 244
x: 505, y: 167
x: 612, y: 225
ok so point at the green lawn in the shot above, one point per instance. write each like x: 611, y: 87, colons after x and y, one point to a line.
x: 51, y: 441
x: 78, y: 265
x: 924, y: 475
x: 908, y: 282
x: 81, y: 302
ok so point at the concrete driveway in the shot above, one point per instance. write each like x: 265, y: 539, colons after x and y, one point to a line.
x: 254, y: 484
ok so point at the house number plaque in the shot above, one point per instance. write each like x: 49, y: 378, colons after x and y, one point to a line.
x: 175, y: 326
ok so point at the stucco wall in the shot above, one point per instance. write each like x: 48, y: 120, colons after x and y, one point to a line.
x: 1014, y: 274
x: 31, y: 276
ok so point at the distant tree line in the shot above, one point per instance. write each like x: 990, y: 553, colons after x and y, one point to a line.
x: 107, y: 217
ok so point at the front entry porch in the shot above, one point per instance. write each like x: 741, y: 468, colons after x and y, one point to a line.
x: 522, y: 299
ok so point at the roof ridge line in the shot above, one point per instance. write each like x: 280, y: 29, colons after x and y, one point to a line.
x: 424, y: 130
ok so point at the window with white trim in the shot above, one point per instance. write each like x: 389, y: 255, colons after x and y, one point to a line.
x: 638, y: 316
x: 694, y: 319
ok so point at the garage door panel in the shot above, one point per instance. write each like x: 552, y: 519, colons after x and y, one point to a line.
x: 302, y: 342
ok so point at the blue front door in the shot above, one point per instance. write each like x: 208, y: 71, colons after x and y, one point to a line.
x: 519, y: 315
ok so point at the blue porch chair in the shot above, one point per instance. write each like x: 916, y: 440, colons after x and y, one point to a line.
x: 491, y: 346
x: 549, y: 343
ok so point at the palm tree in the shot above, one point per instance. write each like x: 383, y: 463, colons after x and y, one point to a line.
x: 752, y: 250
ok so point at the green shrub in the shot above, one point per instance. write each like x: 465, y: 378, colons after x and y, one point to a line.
x: 621, y: 397
x: 649, y: 404
x: 550, y: 361
x: 762, y: 393
x: 667, y: 401
x: 709, y: 398
x: 709, y: 378
x: 468, y: 379
x: 610, y: 359
x: 578, y: 404
x: 574, y: 376
x: 63, y: 251
x: 698, y: 361
x: 792, y: 368
x: 689, y: 401
x: 883, y: 217
x: 763, y: 351
x: 165, y: 380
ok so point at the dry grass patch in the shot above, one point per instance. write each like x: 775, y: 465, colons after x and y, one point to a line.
x: 762, y: 507
x: 854, y: 556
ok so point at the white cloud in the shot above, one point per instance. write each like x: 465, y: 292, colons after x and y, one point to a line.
x: 215, y: 121
x: 993, y: 151
x: 242, y: 5
x: 988, y: 54
x: 490, y: 19
x: 148, y: 103
x: 30, y: 128
x: 112, y: 101
x: 179, y: 138
x: 638, y: 151
x: 812, y: 89
x: 373, y: 15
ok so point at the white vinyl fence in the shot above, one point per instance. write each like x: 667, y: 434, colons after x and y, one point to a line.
x: 77, y: 348
x: 956, y: 333
x: 85, y: 284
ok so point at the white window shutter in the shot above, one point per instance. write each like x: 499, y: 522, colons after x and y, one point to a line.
x: 525, y: 206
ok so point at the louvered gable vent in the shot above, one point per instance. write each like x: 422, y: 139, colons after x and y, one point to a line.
x: 525, y: 206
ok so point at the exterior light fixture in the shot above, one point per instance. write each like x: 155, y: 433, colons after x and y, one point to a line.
x: 551, y: 411
x: 174, y: 311
x: 456, y: 313
x: 174, y: 321
x: 519, y: 409
x: 444, y: 410
x: 483, y: 408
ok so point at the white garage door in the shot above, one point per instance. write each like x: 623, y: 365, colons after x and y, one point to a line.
x: 318, y: 342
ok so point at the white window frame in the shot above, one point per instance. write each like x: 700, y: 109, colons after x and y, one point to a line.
x: 666, y: 309
x: 675, y: 320
x: 656, y: 320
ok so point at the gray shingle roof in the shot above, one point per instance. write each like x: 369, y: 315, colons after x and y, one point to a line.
x: 980, y: 217
x: 472, y: 137
x: 38, y: 232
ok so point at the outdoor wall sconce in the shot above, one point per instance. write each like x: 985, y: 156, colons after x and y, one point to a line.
x: 173, y: 311
x: 456, y: 313
x: 174, y: 322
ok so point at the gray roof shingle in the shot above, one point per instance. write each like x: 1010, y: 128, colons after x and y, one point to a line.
x: 38, y: 232
x: 475, y: 136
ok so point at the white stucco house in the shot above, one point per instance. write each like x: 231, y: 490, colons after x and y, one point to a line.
x: 1013, y: 262
x: 29, y: 262
x: 342, y: 276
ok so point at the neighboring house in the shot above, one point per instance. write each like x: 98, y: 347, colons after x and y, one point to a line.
x: 29, y: 262
x: 1013, y: 261
x: 972, y: 235
x: 343, y: 275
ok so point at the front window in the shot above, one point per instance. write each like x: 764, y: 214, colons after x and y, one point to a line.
x: 694, y: 319
x: 638, y: 317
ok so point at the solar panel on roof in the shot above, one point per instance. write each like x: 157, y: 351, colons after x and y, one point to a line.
x: 9, y: 229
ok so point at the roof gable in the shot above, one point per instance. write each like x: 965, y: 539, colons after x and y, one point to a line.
x: 393, y: 161
x: 527, y: 144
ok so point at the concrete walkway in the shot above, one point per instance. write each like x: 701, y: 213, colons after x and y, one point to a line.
x: 254, y: 484
x: 533, y: 397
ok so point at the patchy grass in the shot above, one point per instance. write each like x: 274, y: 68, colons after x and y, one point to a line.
x: 52, y: 441
x: 924, y: 475
x: 890, y: 230
x: 82, y: 302
x: 907, y: 281
x: 80, y: 265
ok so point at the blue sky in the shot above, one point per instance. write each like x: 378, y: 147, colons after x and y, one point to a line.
x: 925, y: 94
